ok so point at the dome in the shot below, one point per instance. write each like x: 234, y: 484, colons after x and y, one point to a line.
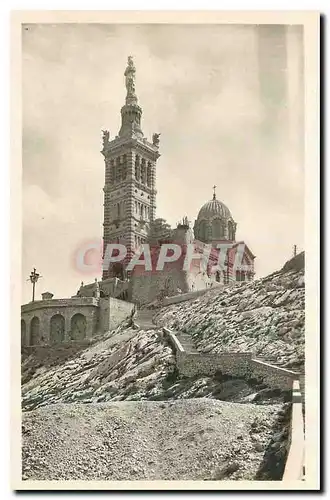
x: 214, y: 222
x: 214, y: 208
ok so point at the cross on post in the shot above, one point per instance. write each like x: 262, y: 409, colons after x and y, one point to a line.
x: 214, y: 191
x: 34, y: 276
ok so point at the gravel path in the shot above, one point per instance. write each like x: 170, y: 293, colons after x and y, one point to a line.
x: 196, y: 439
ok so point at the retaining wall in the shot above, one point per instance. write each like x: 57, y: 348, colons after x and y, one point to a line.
x: 243, y: 365
x: 192, y: 364
x: 234, y: 364
x: 119, y: 310
x: 273, y: 376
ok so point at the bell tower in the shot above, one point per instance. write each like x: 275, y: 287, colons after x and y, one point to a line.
x: 130, y: 179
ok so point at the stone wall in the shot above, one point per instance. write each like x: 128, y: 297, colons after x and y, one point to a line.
x: 65, y: 320
x: 37, y: 317
x: 149, y: 286
x: 175, y: 285
x: 119, y: 310
x: 234, y: 364
x: 271, y: 375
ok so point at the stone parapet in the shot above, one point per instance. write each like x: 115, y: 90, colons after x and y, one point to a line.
x: 272, y: 375
x: 233, y: 364
x: 56, y: 303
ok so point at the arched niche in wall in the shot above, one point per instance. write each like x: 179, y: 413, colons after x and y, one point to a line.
x: 35, y: 331
x: 78, y: 327
x: 57, y: 329
x: 23, y: 333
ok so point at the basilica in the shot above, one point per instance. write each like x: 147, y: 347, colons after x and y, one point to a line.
x: 130, y: 215
x: 130, y: 219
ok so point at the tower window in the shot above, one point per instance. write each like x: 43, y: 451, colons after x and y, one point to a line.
x: 149, y: 174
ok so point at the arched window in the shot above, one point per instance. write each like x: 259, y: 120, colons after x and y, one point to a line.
x: 149, y: 174
x: 124, y: 171
x: 143, y: 171
x: 203, y: 231
x: 112, y: 171
x: 118, y: 170
x: 137, y: 168
x: 230, y: 230
x: 216, y: 228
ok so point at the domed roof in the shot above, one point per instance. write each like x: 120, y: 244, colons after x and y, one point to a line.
x: 214, y: 208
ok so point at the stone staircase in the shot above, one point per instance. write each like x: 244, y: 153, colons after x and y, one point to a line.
x: 186, y: 341
x: 143, y: 319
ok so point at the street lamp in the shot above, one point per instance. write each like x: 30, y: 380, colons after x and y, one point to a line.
x: 34, y: 276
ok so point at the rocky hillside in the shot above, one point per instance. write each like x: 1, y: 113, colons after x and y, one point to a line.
x: 265, y: 316
x: 116, y: 408
x: 128, y: 365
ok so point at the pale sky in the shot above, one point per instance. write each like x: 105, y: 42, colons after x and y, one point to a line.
x: 227, y: 100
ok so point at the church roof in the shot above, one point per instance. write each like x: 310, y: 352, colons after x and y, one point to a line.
x: 214, y: 208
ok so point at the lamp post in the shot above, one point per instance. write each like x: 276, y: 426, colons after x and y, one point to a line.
x: 34, y: 276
